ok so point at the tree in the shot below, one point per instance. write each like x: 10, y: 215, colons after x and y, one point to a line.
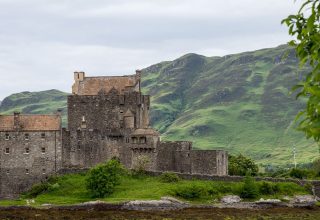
x: 103, y: 178
x: 241, y: 165
x: 305, y: 27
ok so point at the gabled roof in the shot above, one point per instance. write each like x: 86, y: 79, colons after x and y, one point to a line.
x: 93, y: 85
x: 31, y: 122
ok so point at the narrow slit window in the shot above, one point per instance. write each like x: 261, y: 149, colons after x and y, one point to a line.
x: 7, y: 151
x: 43, y: 171
x: 27, y: 171
x: 43, y: 150
x: 7, y: 137
x: 26, y: 137
x: 43, y: 135
x: 27, y: 150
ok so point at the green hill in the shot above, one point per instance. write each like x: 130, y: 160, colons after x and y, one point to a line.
x: 44, y: 102
x: 238, y: 102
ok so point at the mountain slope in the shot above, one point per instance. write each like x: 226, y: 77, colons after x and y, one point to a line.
x: 44, y: 102
x: 238, y: 102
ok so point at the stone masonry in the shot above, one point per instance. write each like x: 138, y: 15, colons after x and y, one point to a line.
x: 108, y: 117
x: 30, y: 150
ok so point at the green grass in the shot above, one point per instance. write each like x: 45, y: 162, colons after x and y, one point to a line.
x: 71, y: 190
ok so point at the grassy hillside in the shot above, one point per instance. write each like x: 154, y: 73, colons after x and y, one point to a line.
x: 44, y: 102
x: 238, y: 102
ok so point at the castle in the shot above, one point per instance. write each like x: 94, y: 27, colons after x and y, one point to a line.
x: 108, y: 117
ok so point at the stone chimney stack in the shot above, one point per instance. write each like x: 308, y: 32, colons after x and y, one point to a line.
x: 138, y: 78
x: 16, y: 120
x: 79, y: 76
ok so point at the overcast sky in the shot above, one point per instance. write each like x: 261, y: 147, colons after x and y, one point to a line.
x: 42, y: 42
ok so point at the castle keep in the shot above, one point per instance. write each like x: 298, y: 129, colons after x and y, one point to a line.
x: 108, y: 117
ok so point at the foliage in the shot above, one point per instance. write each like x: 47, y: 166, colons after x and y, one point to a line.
x: 189, y: 191
x: 36, y: 190
x: 240, y: 165
x: 298, y: 173
x: 305, y: 27
x: 169, y: 177
x: 141, y: 164
x: 316, y: 167
x: 267, y: 188
x: 250, y: 188
x: 103, y: 178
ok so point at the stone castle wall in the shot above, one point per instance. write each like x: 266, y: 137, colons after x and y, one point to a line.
x: 25, y: 161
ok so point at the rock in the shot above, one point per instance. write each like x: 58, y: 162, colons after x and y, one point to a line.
x: 166, y: 203
x: 230, y: 199
x: 268, y: 201
x: 303, y: 201
x: 46, y: 205
x: 94, y: 202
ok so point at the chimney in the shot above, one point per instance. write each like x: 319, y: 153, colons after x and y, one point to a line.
x: 16, y: 120
x: 79, y: 76
x: 138, y: 78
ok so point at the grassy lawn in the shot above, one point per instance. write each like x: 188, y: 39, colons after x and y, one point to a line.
x: 71, y: 189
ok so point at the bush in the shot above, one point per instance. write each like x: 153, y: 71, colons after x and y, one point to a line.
x: 169, y: 177
x: 36, y: 190
x: 103, y: 178
x: 192, y: 191
x: 140, y: 166
x: 250, y: 189
x: 298, y: 173
x: 240, y: 165
x: 267, y: 188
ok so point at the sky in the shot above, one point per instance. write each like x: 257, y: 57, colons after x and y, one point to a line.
x: 42, y: 42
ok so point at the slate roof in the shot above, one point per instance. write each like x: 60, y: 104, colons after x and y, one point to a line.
x: 31, y: 122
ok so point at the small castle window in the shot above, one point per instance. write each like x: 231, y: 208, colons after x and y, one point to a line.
x: 7, y: 137
x: 134, y: 140
x: 43, y: 135
x: 121, y: 111
x: 7, y: 151
x: 27, y: 150
x: 26, y: 137
x: 43, y: 150
x: 8, y: 171
x: 142, y: 140
x: 27, y: 171
x: 43, y: 171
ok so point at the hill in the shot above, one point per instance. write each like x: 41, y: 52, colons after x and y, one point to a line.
x: 44, y: 102
x: 238, y: 102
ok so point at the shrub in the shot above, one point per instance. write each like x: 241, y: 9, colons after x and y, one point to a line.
x: 103, y: 178
x: 190, y: 191
x: 267, y: 188
x: 250, y: 189
x: 36, y: 190
x: 169, y: 177
x: 298, y: 173
x: 140, y: 165
x: 240, y: 165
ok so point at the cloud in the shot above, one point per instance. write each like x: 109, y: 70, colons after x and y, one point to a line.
x: 42, y: 42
